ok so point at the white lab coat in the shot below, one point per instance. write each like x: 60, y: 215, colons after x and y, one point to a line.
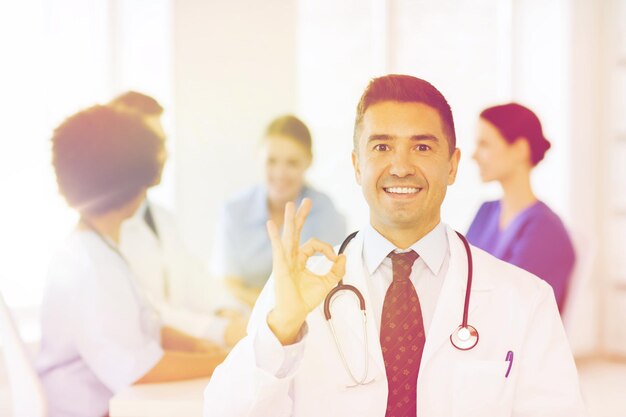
x: 98, y: 332
x: 176, y: 282
x: 511, y: 309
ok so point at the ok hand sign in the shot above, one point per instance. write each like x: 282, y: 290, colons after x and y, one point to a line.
x: 297, y: 290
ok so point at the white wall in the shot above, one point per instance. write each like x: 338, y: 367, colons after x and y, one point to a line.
x: 335, y: 63
x: 611, y: 143
x: 54, y: 62
x: 234, y: 70
x: 541, y: 73
x: 140, y: 35
x: 71, y: 54
x: 478, y: 54
x: 586, y: 197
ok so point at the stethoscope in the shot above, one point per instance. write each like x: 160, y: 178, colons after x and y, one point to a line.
x: 464, y: 337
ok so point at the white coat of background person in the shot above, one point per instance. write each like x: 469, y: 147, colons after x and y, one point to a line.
x: 99, y: 334
x: 289, y: 364
x: 175, y: 281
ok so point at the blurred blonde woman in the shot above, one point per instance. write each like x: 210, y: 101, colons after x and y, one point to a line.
x: 243, y: 254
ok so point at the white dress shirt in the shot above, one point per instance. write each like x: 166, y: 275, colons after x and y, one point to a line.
x: 427, y: 275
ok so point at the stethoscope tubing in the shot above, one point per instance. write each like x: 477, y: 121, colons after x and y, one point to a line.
x: 468, y: 289
x: 470, y: 276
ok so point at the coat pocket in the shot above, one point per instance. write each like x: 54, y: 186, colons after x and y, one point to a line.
x: 480, y: 389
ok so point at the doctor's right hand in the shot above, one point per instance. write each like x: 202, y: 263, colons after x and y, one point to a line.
x: 298, y: 291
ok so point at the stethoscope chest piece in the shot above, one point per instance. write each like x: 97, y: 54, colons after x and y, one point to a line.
x: 464, y: 337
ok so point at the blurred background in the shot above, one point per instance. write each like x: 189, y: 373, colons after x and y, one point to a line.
x: 223, y: 69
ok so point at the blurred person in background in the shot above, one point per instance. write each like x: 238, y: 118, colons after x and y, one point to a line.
x: 243, y: 253
x: 519, y: 228
x: 176, y: 282
x: 100, y: 333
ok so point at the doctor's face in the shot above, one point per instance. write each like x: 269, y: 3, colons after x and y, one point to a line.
x: 403, y: 165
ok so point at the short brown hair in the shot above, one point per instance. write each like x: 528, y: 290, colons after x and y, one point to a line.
x: 405, y: 89
x: 103, y: 158
x: 138, y: 102
x: 292, y: 127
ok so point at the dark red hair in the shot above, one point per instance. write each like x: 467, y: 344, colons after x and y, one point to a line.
x: 515, y: 122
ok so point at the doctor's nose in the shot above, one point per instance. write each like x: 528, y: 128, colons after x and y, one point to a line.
x: 401, y: 164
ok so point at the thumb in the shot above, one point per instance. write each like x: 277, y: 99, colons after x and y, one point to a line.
x: 338, y: 270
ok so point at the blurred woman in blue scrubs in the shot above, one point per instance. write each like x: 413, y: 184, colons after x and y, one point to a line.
x: 100, y: 333
x: 519, y: 228
x: 243, y: 253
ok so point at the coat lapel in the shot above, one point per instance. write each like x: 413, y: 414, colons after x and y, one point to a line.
x: 449, y: 311
x: 447, y: 317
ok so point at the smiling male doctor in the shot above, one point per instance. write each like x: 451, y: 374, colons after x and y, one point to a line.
x: 412, y: 271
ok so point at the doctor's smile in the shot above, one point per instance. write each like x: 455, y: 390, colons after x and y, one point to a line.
x: 402, y: 190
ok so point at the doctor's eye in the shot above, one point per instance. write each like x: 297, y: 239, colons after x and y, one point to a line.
x: 382, y: 147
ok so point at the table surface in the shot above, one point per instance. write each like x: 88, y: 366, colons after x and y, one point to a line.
x: 170, y: 399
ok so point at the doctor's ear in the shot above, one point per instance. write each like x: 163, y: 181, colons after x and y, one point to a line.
x: 454, y: 165
x: 355, y: 164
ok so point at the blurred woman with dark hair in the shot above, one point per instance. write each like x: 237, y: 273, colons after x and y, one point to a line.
x: 519, y: 228
x: 243, y: 253
x: 100, y: 333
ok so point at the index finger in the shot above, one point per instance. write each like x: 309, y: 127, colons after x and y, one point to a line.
x: 312, y: 247
x: 278, y: 256
x: 289, y: 227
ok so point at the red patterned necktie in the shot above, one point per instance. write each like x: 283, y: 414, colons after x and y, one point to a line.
x: 402, y: 337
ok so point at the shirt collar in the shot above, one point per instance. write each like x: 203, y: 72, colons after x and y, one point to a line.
x: 431, y: 248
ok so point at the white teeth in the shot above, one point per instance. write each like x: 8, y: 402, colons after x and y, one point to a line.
x: 402, y: 190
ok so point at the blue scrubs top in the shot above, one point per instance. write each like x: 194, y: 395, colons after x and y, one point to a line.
x: 242, y: 247
x: 535, y: 240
